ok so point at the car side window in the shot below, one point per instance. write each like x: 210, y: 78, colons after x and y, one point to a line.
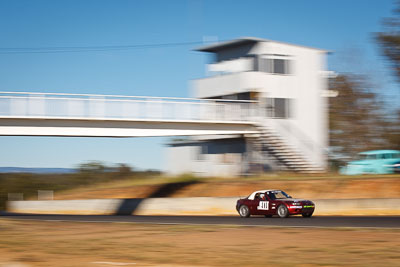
x: 271, y: 196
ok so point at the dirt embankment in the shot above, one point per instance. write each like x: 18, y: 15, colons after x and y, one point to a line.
x: 304, y: 188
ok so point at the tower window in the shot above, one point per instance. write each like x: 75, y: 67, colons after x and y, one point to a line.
x: 275, y: 65
x: 279, y: 108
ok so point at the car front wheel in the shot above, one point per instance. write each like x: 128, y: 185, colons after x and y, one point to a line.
x: 244, y: 211
x: 283, y: 211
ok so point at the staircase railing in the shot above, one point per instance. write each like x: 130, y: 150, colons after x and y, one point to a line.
x: 293, y: 136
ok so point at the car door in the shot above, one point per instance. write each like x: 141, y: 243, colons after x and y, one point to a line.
x: 273, y: 204
x: 370, y: 163
x: 263, y: 206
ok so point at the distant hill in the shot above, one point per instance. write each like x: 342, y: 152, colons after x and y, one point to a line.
x: 35, y: 170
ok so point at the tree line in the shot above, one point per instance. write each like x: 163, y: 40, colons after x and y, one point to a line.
x: 358, y: 119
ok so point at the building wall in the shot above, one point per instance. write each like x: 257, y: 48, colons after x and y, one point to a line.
x: 180, y: 159
x: 220, y: 157
x: 307, y: 128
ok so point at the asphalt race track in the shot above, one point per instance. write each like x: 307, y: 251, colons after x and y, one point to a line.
x: 315, y: 221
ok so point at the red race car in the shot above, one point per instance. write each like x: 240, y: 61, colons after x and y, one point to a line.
x: 273, y: 202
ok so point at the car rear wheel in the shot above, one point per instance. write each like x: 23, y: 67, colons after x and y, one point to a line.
x: 307, y: 214
x: 283, y: 211
x: 244, y: 211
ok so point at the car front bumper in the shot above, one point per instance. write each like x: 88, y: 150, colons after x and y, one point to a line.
x: 293, y: 210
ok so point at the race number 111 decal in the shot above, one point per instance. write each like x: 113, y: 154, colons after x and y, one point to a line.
x: 263, y: 205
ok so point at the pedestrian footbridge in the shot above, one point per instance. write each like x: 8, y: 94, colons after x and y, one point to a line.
x: 84, y: 115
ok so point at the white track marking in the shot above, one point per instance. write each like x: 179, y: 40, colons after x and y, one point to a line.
x: 114, y: 263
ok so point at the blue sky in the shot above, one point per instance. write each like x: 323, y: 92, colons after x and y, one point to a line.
x: 344, y: 27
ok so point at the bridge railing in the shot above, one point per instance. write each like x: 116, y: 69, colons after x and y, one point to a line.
x: 114, y: 107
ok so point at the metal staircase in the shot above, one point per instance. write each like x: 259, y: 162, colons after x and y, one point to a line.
x: 287, y: 157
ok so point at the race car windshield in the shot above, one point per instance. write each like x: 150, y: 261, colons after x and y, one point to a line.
x: 278, y: 195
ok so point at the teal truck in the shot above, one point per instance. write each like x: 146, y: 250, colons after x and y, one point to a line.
x: 375, y: 161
